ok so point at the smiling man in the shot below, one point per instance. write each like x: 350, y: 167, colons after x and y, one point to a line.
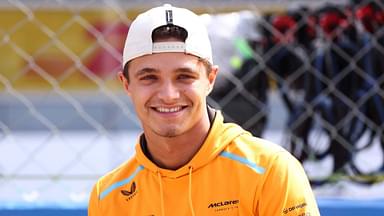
x: 188, y: 161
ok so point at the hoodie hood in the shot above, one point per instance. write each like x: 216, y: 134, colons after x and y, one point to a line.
x: 219, y: 137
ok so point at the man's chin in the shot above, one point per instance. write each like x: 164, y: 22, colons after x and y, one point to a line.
x: 168, y: 133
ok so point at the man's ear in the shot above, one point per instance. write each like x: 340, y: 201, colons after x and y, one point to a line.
x: 212, y: 77
x: 124, y: 81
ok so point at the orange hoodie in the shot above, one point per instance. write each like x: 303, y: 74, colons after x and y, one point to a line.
x: 233, y: 173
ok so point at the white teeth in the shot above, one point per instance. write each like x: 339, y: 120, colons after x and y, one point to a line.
x: 168, y: 110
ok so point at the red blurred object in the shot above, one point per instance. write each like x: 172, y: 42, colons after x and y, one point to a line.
x: 366, y: 15
x: 330, y: 21
x: 286, y: 26
x: 379, y: 17
x: 365, y: 12
x: 106, y: 59
x: 283, y: 23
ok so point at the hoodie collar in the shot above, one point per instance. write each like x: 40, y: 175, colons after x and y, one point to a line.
x: 220, y: 135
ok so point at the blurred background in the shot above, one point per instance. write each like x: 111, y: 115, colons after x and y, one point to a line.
x: 307, y: 75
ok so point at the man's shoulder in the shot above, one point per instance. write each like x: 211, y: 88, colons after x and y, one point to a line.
x: 120, y: 173
x: 258, y: 153
x: 249, y: 143
x: 263, y: 151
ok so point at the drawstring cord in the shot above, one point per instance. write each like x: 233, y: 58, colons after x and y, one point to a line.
x: 161, y: 193
x: 190, y: 191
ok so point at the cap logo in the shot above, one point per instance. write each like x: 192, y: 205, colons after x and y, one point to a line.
x: 169, y: 17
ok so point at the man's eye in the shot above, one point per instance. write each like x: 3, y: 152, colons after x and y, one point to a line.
x: 185, y: 76
x: 148, y: 77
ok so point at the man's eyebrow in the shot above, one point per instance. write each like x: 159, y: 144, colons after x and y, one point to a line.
x: 146, y: 70
x: 186, y: 70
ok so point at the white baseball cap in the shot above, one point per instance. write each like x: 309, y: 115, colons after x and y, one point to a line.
x: 139, y: 39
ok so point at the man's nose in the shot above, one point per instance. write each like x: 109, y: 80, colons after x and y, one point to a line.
x: 168, y: 92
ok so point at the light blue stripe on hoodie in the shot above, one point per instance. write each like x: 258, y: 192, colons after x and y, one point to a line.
x: 120, y: 183
x: 243, y: 160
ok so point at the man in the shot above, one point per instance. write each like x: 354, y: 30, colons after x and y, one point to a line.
x: 188, y: 162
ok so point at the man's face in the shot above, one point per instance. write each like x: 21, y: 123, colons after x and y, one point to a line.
x: 169, y: 92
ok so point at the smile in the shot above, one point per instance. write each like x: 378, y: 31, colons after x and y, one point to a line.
x: 168, y: 109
